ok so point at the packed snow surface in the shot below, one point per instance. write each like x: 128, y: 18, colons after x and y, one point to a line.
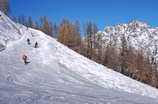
x: 58, y: 75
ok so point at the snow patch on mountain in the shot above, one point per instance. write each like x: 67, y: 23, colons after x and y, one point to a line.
x: 139, y: 36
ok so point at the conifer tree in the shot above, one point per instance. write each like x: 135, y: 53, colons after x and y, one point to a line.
x: 4, y: 6
x: 69, y: 35
x: 30, y: 22
x: 90, y: 32
x: 46, y: 26
x: 22, y: 20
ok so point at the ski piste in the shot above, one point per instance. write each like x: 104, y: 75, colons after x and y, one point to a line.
x: 58, y: 75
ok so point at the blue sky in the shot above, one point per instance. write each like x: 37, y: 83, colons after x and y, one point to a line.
x: 103, y: 12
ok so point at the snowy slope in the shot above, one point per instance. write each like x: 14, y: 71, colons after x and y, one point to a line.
x: 139, y: 35
x: 58, y: 75
x: 9, y: 31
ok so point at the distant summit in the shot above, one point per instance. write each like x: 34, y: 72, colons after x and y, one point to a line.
x: 139, y: 35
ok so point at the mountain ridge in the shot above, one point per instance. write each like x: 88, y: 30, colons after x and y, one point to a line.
x: 139, y: 36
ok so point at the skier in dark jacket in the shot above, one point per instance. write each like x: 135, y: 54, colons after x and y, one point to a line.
x: 28, y: 41
x: 36, y: 45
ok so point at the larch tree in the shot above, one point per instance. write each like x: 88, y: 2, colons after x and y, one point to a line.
x: 46, y: 26
x: 123, y: 55
x: 30, y: 22
x: 4, y: 6
x: 90, y: 32
x: 69, y: 35
x: 22, y: 20
x: 55, y: 30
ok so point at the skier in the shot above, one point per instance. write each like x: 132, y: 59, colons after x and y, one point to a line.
x: 36, y: 45
x: 28, y: 41
x: 0, y: 16
x: 25, y: 58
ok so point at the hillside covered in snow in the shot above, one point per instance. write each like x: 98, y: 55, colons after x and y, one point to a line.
x: 58, y: 75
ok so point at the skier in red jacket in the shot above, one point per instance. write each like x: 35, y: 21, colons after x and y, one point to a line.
x: 25, y: 58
